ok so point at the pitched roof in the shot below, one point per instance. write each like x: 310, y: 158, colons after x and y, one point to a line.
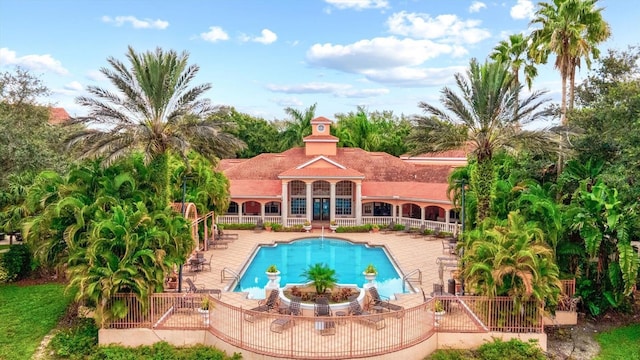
x: 58, y: 115
x: 375, y: 166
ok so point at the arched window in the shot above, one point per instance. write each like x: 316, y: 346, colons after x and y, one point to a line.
x: 344, y: 198
x: 233, y: 208
x: 298, y: 191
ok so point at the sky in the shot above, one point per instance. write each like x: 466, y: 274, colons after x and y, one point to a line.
x: 264, y: 56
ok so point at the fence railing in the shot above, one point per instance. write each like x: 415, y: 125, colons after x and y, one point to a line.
x: 568, y: 287
x: 335, y: 337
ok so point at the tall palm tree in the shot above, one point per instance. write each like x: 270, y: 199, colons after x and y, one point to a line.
x: 571, y: 29
x: 298, y: 127
x: 486, y: 116
x: 514, y: 52
x: 357, y: 130
x: 153, y: 111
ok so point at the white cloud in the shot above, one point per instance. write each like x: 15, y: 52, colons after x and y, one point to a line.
x: 267, y: 37
x: 415, y: 77
x: 31, y: 62
x: 287, y: 102
x: 215, y: 34
x: 359, y: 4
x: 73, y: 86
x: 136, y: 23
x: 71, y: 89
x: 522, y: 10
x: 477, y: 6
x: 338, y: 90
x: 377, y: 53
x: 95, y: 75
x: 308, y: 88
x: 446, y: 27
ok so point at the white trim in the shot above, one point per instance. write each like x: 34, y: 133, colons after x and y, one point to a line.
x: 321, y: 157
x: 296, y: 177
x: 396, y: 198
x: 319, y: 140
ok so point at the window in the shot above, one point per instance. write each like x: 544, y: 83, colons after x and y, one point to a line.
x: 233, y: 208
x: 344, y: 188
x: 343, y: 206
x: 298, y: 206
x: 272, y: 208
x: 320, y: 128
x: 321, y: 188
x: 298, y: 188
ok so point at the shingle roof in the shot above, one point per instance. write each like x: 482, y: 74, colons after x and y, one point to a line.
x: 58, y: 115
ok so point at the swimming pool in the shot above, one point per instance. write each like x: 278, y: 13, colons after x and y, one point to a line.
x: 347, y: 258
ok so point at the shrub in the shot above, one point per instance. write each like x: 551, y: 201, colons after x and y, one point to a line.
x: 353, y: 229
x: 513, y: 349
x: 76, y: 342
x: 247, y: 226
x: 161, y: 350
x: 15, y: 264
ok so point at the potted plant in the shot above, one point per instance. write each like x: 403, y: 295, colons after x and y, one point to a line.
x: 307, y: 225
x: 267, y: 226
x: 375, y: 228
x: 322, y: 276
x: 204, y: 310
x: 333, y: 225
x: 370, y: 273
x: 272, y: 273
x: 438, y: 309
x: 172, y: 281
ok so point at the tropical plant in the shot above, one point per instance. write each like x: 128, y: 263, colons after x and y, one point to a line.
x: 298, y: 127
x: 486, y: 117
x: 438, y: 306
x: 515, y: 53
x: 272, y: 269
x: 571, y: 29
x: 370, y: 269
x: 322, y: 276
x: 205, y: 303
x: 154, y: 111
x: 511, y: 257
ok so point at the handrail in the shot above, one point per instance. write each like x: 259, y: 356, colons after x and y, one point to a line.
x: 407, y: 279
x: 223, y: 278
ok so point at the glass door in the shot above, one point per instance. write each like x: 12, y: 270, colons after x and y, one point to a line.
x: 321, y: 209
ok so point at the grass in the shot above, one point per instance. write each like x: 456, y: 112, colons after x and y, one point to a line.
x: 3, y: 247
x: 620, y: 343
x: 27, y: 314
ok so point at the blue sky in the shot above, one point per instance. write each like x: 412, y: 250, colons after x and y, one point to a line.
x: 263, y: 56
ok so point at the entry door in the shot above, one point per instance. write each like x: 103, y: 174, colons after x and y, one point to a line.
x: 321, y: 209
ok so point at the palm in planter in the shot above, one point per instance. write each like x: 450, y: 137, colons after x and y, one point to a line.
x: 322, y: 276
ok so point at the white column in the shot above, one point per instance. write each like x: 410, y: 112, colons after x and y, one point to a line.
x: 332, y: 195
x: 358, y: 203
x: 309, y: 202
x: 285, y: 202
x: 393, y: 211
x: 240, y: 212
x: 262, y: 211
x: 446, y: 216
x: 422, y: 214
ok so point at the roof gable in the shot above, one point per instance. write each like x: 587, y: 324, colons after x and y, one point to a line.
x: 321, y: 162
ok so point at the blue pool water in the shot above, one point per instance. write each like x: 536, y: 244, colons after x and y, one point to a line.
x: 348, y: 259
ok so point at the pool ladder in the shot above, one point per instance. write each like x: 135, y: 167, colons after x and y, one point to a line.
x: 411, y: 277
x: 224, y: 276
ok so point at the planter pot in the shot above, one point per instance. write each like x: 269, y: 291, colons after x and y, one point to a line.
x: 273, y: 278
x: 439, y: 315
x: 306, y: 228
x: 172, y: 285
x: 333, y: 227
x: 375, y: 230
x: 205, y: 316
x: 268, y: 228
x: 371, y: 278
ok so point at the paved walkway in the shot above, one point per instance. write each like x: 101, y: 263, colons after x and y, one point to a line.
x: 409, y: 253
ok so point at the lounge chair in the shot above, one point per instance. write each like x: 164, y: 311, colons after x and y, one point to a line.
x: 376, y: 320
x: 221, y: 235
x: 326, y: 327
x: 379, y: 301
x: 194, y: 289
x: 259, y: 226
x: 405, y: 231
x: 419, y: 232
x: 280, y: 324
x: 266, y: 305
x: 390, y: 228
x: 217, y: 243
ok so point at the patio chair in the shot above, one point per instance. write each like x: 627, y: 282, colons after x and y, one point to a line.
x: 280, y: 324
x: 449, y: 247
x: 419, y: 232
x: 194, y: 289
x: 259, y: 226
x: 383, y: 302
x: 186, y: 301
x: 217, y: 243
x: 326, y: 327
x: 207, y: 263
x: 221, y: 235
x: 376, y: 320
x: 390, y: 228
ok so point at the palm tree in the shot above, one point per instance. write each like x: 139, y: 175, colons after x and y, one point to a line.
x: 297, y: 128
x: 153, y: 111
x: 511, y: 258
x: 487, y: 117
x: 514, y: 53
x: 571, y: 29
x: 322, y: 276
x: 357, y: 130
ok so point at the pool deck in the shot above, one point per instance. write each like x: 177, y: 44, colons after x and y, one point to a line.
x: 409, y: 253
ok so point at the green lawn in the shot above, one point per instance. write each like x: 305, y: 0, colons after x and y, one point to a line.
x: 27, y: 314
x: 621, y: 343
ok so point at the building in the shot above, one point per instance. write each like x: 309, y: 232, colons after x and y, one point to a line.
x: 321, y: 182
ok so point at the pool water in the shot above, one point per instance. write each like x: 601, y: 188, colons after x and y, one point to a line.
x: 292, y: 259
